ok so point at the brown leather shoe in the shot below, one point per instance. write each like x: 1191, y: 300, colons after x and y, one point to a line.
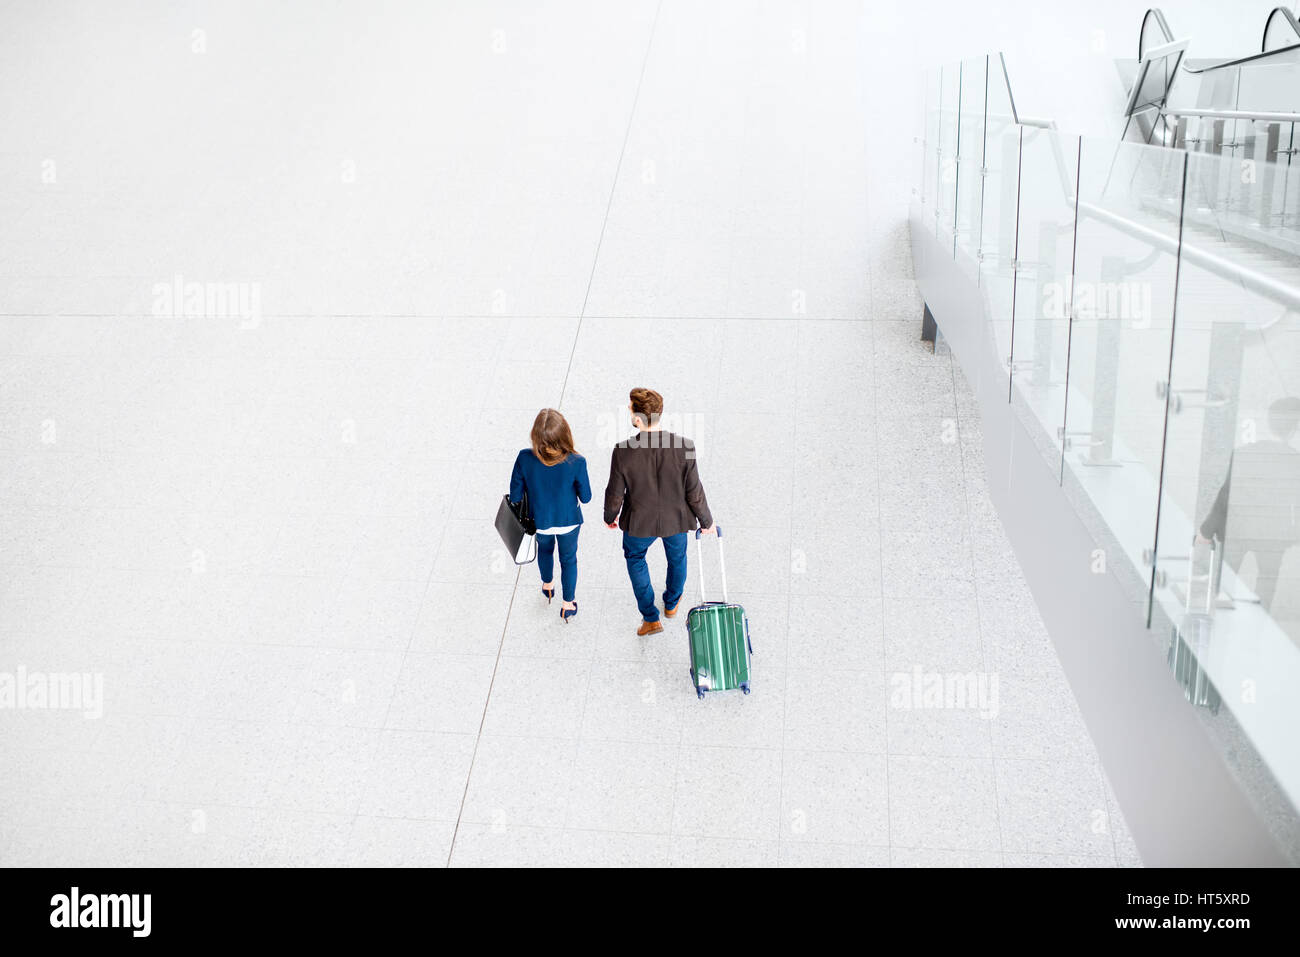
x: 649, y: 628
x: 671, y: 612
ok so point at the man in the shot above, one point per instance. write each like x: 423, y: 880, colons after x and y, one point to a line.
x: 1258, y: 506
x: 654, y: 492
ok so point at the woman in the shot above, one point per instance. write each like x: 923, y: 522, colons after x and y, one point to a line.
x: 555, y: 477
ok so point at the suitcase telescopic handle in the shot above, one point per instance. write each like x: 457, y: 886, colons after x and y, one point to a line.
x: 722, y: 562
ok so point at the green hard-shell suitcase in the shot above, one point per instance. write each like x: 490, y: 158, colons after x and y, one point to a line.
x: 719, y: 636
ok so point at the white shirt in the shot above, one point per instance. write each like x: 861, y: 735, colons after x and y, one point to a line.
x: 556, y: 531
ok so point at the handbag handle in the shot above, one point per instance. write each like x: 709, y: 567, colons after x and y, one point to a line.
x: 524, y: 512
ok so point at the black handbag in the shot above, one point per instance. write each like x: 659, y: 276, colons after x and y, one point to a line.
x: 517, y: 529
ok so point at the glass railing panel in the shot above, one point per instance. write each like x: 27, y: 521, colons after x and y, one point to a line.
x: 1270, y: 84
x: 970, y: 161
x: 1278, y: 179
x: 949, y: 106
x: 1001, y: 181
x: 930, y: 153
x: 1239, y: 177
x: 1227, y: 582
x: 1039, y: 350
x: 1245, y: 196
x: 1122, y: 314
x: 997, y: 248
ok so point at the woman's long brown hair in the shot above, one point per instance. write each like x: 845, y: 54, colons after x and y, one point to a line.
x: 552, y: 439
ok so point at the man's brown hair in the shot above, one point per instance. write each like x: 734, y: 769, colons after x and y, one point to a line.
x: 552, y: 437
x: 648, y: 404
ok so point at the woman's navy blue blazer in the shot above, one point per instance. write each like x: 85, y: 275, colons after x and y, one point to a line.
x: 554, y: 491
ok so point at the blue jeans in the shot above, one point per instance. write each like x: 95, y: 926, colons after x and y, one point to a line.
x: 568, y: 560
x: 634, y: 550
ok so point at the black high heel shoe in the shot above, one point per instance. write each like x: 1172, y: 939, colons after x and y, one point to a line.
x: 567, y: 613
x: 549, y: 593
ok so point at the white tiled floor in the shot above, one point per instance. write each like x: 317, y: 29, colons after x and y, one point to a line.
x: 274, y: 539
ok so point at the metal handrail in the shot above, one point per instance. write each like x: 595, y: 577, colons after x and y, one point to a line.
x: 1157, y: 16
x: 1261, y: 116
x: 1062, y: 170
x: 1242, y: 61
x: 1251, y: 279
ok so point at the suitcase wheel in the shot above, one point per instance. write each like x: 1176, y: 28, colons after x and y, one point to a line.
x: 744, y: 686
x: 699, y: 693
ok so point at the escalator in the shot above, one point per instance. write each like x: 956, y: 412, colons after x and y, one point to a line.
x: 1280, y: 30
x: 1213, y: 104
x: 1281, y: 33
